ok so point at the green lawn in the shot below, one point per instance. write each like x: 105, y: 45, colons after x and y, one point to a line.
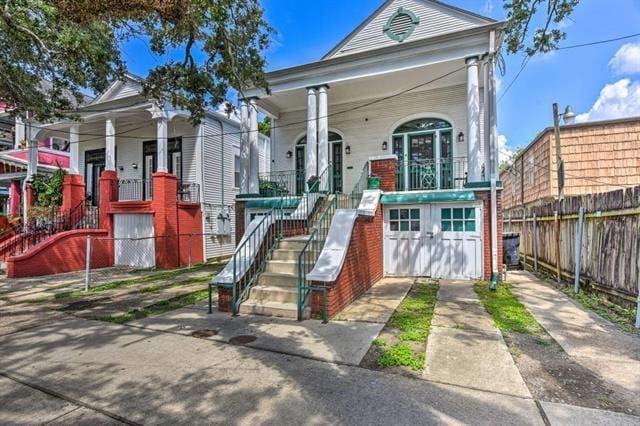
x: 410, y: 325
x: 507, y: 312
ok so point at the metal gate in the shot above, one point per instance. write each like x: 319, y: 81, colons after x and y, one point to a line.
x: 134, y: 243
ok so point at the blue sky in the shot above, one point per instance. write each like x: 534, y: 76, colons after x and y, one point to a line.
x: 306, y: 30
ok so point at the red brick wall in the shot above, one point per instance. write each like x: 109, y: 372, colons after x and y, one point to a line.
x: 240, y: 207
x: 63, y: 252
x: 485, y: 196
x: 165, y: 219
x: 363, y: 266
x: 387, y: 170
x: 73, y: 192
x: 190, y: 222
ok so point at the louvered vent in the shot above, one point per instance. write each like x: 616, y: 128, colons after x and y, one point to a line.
x: 401, y: 24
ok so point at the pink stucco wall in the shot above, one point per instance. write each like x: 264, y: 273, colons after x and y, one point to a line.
x: 45, y: 158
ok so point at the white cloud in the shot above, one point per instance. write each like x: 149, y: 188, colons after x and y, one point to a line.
x: 626, y: 60
x: 504, y: 152
x: 616, y: 100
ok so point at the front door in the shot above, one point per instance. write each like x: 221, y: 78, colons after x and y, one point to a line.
x: 336, y: 159
x: 149, y: 166
x: 300, y: 169
x: 94, y: 163
x: 422, y: 166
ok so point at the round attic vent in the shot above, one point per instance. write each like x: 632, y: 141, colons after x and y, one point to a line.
x: 401, y: 24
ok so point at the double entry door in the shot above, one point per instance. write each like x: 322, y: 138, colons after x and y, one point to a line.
x: 335, y: 154
x: 425, y: 160
x: 434, y: 240
x: 150, y: 163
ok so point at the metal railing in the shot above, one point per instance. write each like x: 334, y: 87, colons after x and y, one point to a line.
x: 40, y: 228
x: 417, y: 175
x: 188, y: 192
x: 283, y: 183
x: 135, y: 189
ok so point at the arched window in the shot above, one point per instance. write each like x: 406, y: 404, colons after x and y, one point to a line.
x: 423, y: 124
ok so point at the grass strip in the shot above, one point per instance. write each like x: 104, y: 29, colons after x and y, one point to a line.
x: 623, y: 318
x: 412, y: 323
x: 156, y: 308
x: 508, y: 314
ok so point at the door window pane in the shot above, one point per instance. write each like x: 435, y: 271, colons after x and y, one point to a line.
x: 415, y: 225
x: 470, y: 213
x: 446, y: 226
x: 404, y: 214
x: 415, y: 213
x: 457, y: 213
x: 393, y: 226
x: 393, y: 214
x: 404, y: 226
x: 457, y: 226
x: 458, y: 219
x: 470, y: 225
x: 446, y: 213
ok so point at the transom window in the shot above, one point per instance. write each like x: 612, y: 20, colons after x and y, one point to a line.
x: 458, y: 219
x: 404, y: 219
x: 423, y: 124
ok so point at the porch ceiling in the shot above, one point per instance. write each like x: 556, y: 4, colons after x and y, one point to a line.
x: 373, y: 86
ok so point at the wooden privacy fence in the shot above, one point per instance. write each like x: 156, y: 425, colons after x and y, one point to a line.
x: 609, y: 247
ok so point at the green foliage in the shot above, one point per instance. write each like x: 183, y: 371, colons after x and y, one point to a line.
x: 401, y: 354
x: 271, y: 188
x: 264, y: 126
x: 48, y: 190
x: 506, y: 310
x: 545, y: 15
x: 413, y: 316
x: 50, y: 51
x: 623, y: 318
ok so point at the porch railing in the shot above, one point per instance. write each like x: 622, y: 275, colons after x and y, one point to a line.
x: 446, y: 173
x: 40, y: 228
x: 283, y: 183
x: 135, y: 189
x: 188, y: 192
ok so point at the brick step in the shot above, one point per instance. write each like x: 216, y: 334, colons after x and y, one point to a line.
x: 274, y: 309
x: 263, y: 294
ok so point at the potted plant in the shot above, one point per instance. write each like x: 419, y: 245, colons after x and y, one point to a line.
x: 373, y: 182
x: 313, y: 183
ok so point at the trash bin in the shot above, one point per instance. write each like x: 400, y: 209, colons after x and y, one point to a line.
x: 511, y: 248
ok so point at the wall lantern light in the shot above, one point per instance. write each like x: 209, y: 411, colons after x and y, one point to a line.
x: 385, y: 145
x: 135, y: 166
x: 289, y: 154
x: 460, y: 137
x: 347, y: 150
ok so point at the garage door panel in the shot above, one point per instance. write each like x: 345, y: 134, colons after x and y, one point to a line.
x: 134, y: 244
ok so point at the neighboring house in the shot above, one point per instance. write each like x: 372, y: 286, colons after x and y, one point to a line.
x: 598, y: 156
x: 150, y: 174
x: 407, y: 97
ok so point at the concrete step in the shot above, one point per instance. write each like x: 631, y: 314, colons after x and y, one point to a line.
x: 293, y: 243
x: 274, y: 294
x: 279, y: 280
x: 286, y: 267
x: 283, y: 254
x: 274, y: 309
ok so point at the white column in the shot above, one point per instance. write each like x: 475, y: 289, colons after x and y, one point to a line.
x: 323, y: 136
x: 493, y: 118
x: 74, y: 149
x: 162, y: 141
x: 312, y: 133
x: 245, y: 148
x: 20, y: 132
x: 486, y: 136
x: 254, y: 150
x: 32, y: 158
x: 110, y: 146
x: 473, y: 121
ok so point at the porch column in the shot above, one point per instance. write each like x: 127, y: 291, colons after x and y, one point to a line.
x: 323, y: 136
x: 162, y: 132
x: 473, y: 121
x: 493, y: 124
x: 245, y: 148
x: 74, y: 150
x: 312, y: 133
x: 486, y: 135
x: 14, y: 198
x: 110, y: 146
x: 254, y: 155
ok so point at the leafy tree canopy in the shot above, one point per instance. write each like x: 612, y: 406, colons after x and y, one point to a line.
x: 533, y: 25
x: 50, y: 50
x: 264, y: 126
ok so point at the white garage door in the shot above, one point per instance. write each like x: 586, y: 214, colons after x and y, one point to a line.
x: 438, y: 240
x: 134, y: 244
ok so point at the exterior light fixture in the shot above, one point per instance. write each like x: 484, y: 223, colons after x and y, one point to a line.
x: 121, y: 168
x: 289, y: 154
x: 347, y: 150
x: 460, y: 137
x: 385, y: 145
x: 568, y: 116
x: 135, y: 166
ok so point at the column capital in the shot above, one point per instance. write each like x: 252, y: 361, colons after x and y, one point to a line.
x: 158, y: 112
x: 472, y: 60
x: 312, y: 90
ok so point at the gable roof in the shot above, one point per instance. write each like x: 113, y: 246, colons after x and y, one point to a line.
x: 433, y: 18
x: 129, y: 85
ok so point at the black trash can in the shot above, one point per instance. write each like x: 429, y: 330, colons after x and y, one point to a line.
x: 511, y: 248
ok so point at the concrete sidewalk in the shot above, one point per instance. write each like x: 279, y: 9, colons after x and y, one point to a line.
x: 465, y: 348
x: 589, y: 339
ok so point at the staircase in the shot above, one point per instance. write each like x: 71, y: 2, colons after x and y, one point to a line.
x: 276, y: 292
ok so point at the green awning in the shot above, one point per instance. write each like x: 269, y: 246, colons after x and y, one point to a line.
x: 268, y: 203
x: 428, y: 197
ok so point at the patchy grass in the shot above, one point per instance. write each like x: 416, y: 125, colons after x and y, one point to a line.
x: 623, y: 318
x: 156, y: 308
x: 507, y: 312
x: 402, y: 343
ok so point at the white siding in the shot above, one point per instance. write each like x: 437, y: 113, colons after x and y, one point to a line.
x: 435, y: 19
x: 365, y: 129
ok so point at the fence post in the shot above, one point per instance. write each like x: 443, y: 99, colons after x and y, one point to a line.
x: 87, y: 272
x: 524, y: 239
x: 576, y: 284
x: 534, y: 241
x: 556, y: 219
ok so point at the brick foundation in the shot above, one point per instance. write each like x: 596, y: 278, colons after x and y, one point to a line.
x: 387, y: 170
x: 240, y: 209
